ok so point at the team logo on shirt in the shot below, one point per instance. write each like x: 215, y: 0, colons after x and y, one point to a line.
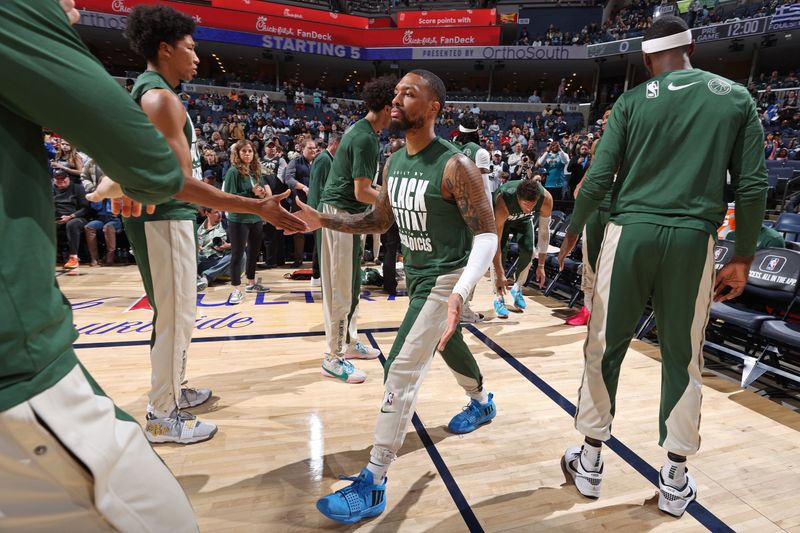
x: 651, y: 90
x: 719, y: 86
x: 407, y: 196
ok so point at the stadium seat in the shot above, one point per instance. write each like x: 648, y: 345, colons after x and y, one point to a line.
x: 780, y: 332
x: 771, y: 290
x: 789, y: 225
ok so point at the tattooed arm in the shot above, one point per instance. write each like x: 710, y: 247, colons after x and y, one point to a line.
x: 377, y: 220
x: 462, y: 183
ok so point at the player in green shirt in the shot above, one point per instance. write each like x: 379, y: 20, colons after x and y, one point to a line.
x: 70, y: 460
x: 349, y: 190
x: 671, y: 142
x: 319, y: 176
x: 515, y: 203
x: 437, y: 197
x: 164, y: 241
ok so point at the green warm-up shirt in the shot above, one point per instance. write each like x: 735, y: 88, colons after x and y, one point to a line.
x: 319, y: 176
x: 357, y: 157
x: 49, y: 78
x: 672, y: 141
x: 236, y: 183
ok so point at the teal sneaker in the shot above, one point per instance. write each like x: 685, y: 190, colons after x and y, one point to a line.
x: 361, y: 499
x: 519, y: 300
x: 500, y: 308
x: 473, y: 415
x: 343, y: 370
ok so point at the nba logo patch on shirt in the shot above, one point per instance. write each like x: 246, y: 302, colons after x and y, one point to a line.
x: 651, y: 91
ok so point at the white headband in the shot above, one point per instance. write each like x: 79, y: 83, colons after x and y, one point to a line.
x: 462, y: 129
x: 665, y: 43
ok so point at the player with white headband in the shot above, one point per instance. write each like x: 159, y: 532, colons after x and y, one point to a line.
x: 666, y: 206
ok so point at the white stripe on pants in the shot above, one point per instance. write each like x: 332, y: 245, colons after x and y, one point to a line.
x: 173, y: 269
x: 409, y: 368
x: 127, y: 487
x: 336, y: 276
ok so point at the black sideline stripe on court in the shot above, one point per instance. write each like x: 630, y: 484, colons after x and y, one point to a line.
x: 452, y: 487
x: 695, y: 509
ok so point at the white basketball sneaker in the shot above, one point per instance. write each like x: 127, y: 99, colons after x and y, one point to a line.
x: 193, y: 397
x: 342, y: 369
x: 361, y: 351
x: 672, y: 500
x: 587, y: 482
x: 178, y: 427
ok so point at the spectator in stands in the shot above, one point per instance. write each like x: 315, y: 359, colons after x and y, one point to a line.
x: 534, y: 98
x: 246, y: 230
x: 298, y: 178
x: 515, y: 158
x: 213, y: 249
x: 71, y: 208
x: 236, y: 131
x: 68, y: 160
x: 209, y: 127
x: 577, y: 167
x: 273, y: 167
x: 109, y: 225
x: 498, y: 171
x: 767, y: 238
x: 554, y: 161
x: 210, y: 164
x: 524, y: 170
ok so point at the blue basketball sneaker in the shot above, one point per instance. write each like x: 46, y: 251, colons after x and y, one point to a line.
x: 500, y: 308
x: 519, y: 300
x: 361, y: 499
x: 473, y: 415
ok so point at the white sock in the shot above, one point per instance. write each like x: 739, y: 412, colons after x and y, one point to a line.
x: 515, y: 287
x: 590, y: 457
x: 481, y: 396
x: 378, y: 471
x: 674, y: 473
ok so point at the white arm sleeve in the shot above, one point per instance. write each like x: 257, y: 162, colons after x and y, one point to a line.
x: 544, y: 235
x: 484, y: 247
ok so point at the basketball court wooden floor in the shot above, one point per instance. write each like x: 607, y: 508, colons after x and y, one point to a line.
x: 286, y: 433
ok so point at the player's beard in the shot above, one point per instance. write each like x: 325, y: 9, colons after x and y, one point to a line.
x: 405, y: 124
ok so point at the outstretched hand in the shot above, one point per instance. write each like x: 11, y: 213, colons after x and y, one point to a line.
x: 309, y: 215
x: 271, y: 210
x: 454, y: 304
x: 120, y: 204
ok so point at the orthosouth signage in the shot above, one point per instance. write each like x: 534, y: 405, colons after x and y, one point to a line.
x: 716, y: 32
x: 501, y: 52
